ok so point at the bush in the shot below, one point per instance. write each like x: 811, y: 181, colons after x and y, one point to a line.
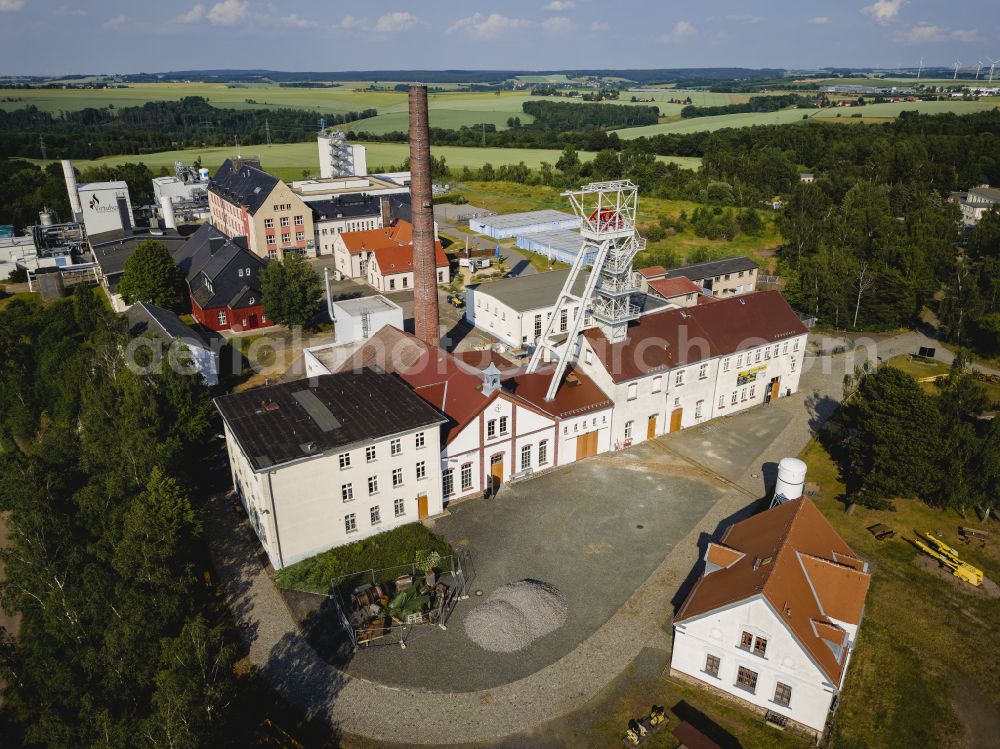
x: 18, y: 275
x: 392, y: 548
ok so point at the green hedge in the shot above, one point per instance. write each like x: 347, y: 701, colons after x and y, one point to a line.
x: 388, y: 549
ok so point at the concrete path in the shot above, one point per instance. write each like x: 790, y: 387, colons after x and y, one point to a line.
x: 362, y: 707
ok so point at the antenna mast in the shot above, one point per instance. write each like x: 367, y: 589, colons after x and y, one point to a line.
x: 607, y: 211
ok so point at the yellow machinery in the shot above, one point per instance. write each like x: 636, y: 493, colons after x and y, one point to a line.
x: 949, y: 558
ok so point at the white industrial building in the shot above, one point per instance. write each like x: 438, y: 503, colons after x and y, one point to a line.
x: 331, y: 188
x: 561, y: 245
x: 517, y: 224
x: 106, y: 208
x: 338, y: 158
x: 182, y: 197
x: 360, y: 318
x: 325, y: 461
x: 773, y: 619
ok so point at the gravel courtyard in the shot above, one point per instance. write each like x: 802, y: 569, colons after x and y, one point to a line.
x: 595, y: 530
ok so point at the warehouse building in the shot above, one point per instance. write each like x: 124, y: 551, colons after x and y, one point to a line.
x: 728, y: 277
x: 517, y: 224
x: 325, y: 461
x: 561, y: 245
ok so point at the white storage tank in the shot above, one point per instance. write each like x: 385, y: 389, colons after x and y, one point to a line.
x: 203, y: 174
x: 791, y: 478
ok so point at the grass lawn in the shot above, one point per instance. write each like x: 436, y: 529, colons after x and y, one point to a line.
x: 390, y: 549
x: 922, y: 673
x: 918, y: 370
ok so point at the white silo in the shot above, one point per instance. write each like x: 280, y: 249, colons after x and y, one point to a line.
x: 791, y: 478
x: 203, y: 174
x: 74, y: 194
x: 167, y: 210
x: 45, y: 218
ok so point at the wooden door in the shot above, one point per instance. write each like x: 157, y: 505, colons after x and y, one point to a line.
x: 496, y: 471
x: 775, y: 387
x: 651, y: 427
x: 586, y: 445
x: 422, y: 511
x: 675, y: 419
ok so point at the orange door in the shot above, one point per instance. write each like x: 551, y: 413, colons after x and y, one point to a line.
x: 586, y: 445
x: 675, y: 419
x: 651, y: 427
x: 775, y: 386
x: 422, y: 506
x: 496, y: 471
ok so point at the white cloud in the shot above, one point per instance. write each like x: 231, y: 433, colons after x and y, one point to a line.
x: 921, y: 33
x: 819, y: 20
x: 560, y: 5
x: 115, y: 24
x: 9, y: 6
x: 194, y: 15
x: 599, y: 26
x: 883, y: 11
x: 683, y: 31
x: 350, y: 23
x: 294, y: 21
x: 558, y: 26
x: 393, y: 23
x: 487, y: 28
x: 229, y: 13
x: 967, y: 35
x: 745, y: 20
x: 64, y: 11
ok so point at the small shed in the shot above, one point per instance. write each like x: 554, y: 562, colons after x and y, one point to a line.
x: 360, y: 318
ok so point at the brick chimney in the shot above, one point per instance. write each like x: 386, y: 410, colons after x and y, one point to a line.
x: 425, y: 298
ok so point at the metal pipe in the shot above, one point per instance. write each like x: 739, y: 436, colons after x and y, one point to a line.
x: 425, y: 298
x: 74, y: 193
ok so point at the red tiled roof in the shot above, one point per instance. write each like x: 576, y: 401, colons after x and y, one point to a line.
x: 400, y: 233
x: 664, y: 340
x: 482, y: 359
x: 399, y: 258
x: 671, y: 287
x: 789, y: 560
x: 656, y: 271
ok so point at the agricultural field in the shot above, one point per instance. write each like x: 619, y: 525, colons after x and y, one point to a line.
x: 873, y: 112
x: 292, y: 160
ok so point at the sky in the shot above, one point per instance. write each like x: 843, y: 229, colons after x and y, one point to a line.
x: 48, y: 37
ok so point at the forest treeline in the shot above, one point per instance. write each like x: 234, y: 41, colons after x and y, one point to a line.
x: 566, y: 116
x: 756, y: 104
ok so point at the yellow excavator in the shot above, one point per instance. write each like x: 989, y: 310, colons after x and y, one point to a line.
x: 949, y: 558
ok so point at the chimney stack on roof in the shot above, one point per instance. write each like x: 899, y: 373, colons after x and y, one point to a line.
x: 425, y: 299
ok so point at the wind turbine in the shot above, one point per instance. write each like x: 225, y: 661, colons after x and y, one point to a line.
x: 920, y: 68
x: 993, y: 64
x: 979, y: 67
x: 958, y: 64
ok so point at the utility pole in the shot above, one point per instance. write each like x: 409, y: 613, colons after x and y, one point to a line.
x: 41, y: 145
x: 484, y: 135
x: 267, y: 129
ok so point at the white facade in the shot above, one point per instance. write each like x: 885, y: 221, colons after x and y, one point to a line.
x: 383, y: 280
x: 328, y: 229
x: 100, y: 207
x: 517, y: 328
x: 361, y: 318
x: 326, y: 145
x: 305, y: 507
x: 720, y: 634
x: 663, y: 401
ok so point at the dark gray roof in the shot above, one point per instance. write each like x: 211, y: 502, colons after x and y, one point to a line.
x: 288, y: 421
x: 524, y: 293
x: 713, y: 268
x: 242, y: 184
x: 112, y: 256
x: 144, y: 317
x: 350, y: 205
x: 212, y: 265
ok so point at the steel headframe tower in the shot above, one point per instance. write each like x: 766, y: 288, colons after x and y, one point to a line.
x: 607, y: 212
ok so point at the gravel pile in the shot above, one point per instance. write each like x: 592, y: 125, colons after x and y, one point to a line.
x: 516, y: 615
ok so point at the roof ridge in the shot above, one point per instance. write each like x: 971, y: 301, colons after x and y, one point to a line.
x: 783, y: 545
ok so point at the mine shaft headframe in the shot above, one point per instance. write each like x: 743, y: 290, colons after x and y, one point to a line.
x: 606, y: 209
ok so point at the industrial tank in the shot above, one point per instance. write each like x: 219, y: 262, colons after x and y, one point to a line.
x: 791, y: 478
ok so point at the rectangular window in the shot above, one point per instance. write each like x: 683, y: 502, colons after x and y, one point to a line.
x: 300, y: 236
x: 543, y: 452
x: 743, y: 394
x: 588, y: 357
x: 350, y: 523
x: 347, y: 492
x: 746, y: 679
x: 657, y: 382
x: 269, y: 223
x: 421, y: 470
x: 739, y: 361
x: 703, y: 372
x: 633, y: 390
x: 526, y: 457
x: 397, y: 477
x: 746, y: 641
x: 697, y: 409
x: 725, y: 365
x: 270, y: 239
x: 760, y: 646
x: 399, y: 507
x: 722, y: 401
x: 373, y: 484
x: 784, y: 348
x: 222, y: 317
x: 466, y: 476
x: 712, y: 663
x: 538, y: 326
x: 503, y: 425
x: 563, y: 320
x: 491, y: 428
x: 298, y: 221
x: 752, y: 388
x: 370, y: 453
x: 792, y: 365
x: 628, y: 430
x: 783, y: 694
x: 345, y: 460
x: 395, y: 447
x: 679, y: 378
x: 448, y: 482
x: 733, y: 400
x: 376, y: 515
x: 284, y: 221
x: 795, y: 345
x: 419, y: 439
x: 757, y: 356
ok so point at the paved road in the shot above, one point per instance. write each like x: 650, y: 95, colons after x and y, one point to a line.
x: 348, y: 703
